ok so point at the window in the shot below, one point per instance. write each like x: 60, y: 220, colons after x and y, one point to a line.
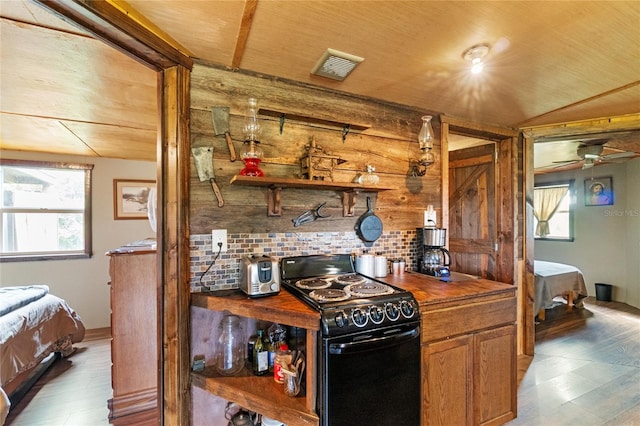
x: 46, y: 210
x: 553, y: 211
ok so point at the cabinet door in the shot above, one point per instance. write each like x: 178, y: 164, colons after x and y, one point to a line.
x: 447, y: 380
x: 495, y: 376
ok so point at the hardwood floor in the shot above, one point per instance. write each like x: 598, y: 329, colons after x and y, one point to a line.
x: 586, y: 368
x: 586, y: 371
x: 73, y: 392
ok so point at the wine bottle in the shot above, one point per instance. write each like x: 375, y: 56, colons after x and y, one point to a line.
x: 260, y: 356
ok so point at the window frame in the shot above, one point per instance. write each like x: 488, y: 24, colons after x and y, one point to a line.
x: 87, y: 251
x: 572, y: 206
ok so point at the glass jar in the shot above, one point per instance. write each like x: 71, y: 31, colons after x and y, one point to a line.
x: 369, y: 178
x: 229, y: 358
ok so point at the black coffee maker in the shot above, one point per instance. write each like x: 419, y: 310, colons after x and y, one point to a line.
x: 435, y: 258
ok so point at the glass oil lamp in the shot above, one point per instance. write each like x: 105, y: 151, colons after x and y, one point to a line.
x: 425, y: 139
x: 251, y: 153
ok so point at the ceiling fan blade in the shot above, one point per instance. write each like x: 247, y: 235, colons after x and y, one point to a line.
x: 618, y: 155
x: 575, y: 160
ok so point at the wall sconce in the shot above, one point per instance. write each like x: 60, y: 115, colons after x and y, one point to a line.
x: 425, y: 139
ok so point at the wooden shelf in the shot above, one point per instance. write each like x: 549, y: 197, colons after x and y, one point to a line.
x: 262, y: 394
x: 257, y: 393
x: 275, y: 186
x: 283, y: 308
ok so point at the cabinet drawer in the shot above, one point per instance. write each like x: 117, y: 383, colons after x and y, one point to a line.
x: 457, y: 320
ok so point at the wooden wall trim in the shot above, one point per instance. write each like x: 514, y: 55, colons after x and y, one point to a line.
x: 174, y: 135
x: 444, y: 172
x: 482, y: 130
x: 527, y: 288
x: 117, y: 29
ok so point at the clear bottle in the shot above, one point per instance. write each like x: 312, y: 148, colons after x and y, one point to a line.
x: 230, y: 348
x: 283, y: 358
x: 277, y: 335
x: 370, y: 178
x: 260, y: 356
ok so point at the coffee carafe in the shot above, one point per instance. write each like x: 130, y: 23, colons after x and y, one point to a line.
x: 435, y: 258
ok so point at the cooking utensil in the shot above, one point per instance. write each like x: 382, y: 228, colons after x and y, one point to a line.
x: 203, y: 158
x: 369, y: 226
x: 221, y: 127
x: 310, y: 216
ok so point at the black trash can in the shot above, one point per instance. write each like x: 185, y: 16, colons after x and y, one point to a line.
x: 603, y: 292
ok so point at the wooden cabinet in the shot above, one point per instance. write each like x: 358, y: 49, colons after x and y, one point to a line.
x: 469, y: 361
x: 134, y: 343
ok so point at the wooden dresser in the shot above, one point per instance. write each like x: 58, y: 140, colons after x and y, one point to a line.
x: 134, y: 331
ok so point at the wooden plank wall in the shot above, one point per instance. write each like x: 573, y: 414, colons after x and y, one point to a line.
x: 389, y: 143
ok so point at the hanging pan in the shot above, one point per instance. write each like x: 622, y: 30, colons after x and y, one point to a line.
x: 369, y: 226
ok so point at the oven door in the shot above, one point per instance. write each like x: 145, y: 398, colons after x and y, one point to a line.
x: 371, y: 377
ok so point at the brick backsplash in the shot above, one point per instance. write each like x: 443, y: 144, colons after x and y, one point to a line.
x: 225, y: 272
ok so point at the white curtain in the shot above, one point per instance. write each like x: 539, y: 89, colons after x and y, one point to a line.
x: 545, y: 204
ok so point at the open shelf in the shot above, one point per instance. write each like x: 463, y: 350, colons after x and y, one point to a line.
x: 258, y: 393
x: 275, y: 185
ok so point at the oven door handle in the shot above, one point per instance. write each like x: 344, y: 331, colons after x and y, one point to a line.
x: 373, y: 343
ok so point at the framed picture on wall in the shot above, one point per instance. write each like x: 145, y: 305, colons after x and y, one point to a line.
x: 598, y: 191
x: 130, y: 198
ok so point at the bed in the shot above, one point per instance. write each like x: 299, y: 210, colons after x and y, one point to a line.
x: 557, y: 280
x: 34, y: 324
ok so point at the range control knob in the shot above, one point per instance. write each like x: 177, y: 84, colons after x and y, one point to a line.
x: 341, y: 319
x: 376, y: 314
x: 407, y: 309
x: 392, y: 311
x: 359, y: 318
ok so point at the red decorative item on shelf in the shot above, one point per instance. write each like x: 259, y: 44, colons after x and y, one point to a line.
x: 252, y: 157
x: 251, y: 153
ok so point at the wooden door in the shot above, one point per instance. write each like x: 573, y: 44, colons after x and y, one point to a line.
x: 472, y: 211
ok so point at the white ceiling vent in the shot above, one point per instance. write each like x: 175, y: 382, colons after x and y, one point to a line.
x: 336, y: 65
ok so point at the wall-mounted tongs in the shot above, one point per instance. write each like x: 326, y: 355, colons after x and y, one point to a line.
x: 309, y: 216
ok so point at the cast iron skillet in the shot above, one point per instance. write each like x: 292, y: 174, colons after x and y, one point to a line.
x: 369, y: 226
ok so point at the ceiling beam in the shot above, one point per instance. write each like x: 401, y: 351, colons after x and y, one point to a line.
x: 243, y: 33
x: 116, y: 28
x: 602, y: 128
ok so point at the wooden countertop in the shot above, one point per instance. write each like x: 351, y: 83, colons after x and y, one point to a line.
x: 429, y: 290
x: 283, y: 308
x: 286, y: 308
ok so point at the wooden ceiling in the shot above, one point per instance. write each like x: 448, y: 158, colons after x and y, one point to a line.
x: 550, y: 63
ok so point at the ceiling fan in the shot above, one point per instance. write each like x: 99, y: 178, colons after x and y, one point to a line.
x: 591, y: 153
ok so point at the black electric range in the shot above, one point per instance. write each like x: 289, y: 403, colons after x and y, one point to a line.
x: 368, y: 358
x: 348, y: 302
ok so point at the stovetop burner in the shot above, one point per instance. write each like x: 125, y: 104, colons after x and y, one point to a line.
x: 368, y: 289
x: 313, y: 283
x: 329, y: 295
x: 349, y: 279
x: 348, y: 302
